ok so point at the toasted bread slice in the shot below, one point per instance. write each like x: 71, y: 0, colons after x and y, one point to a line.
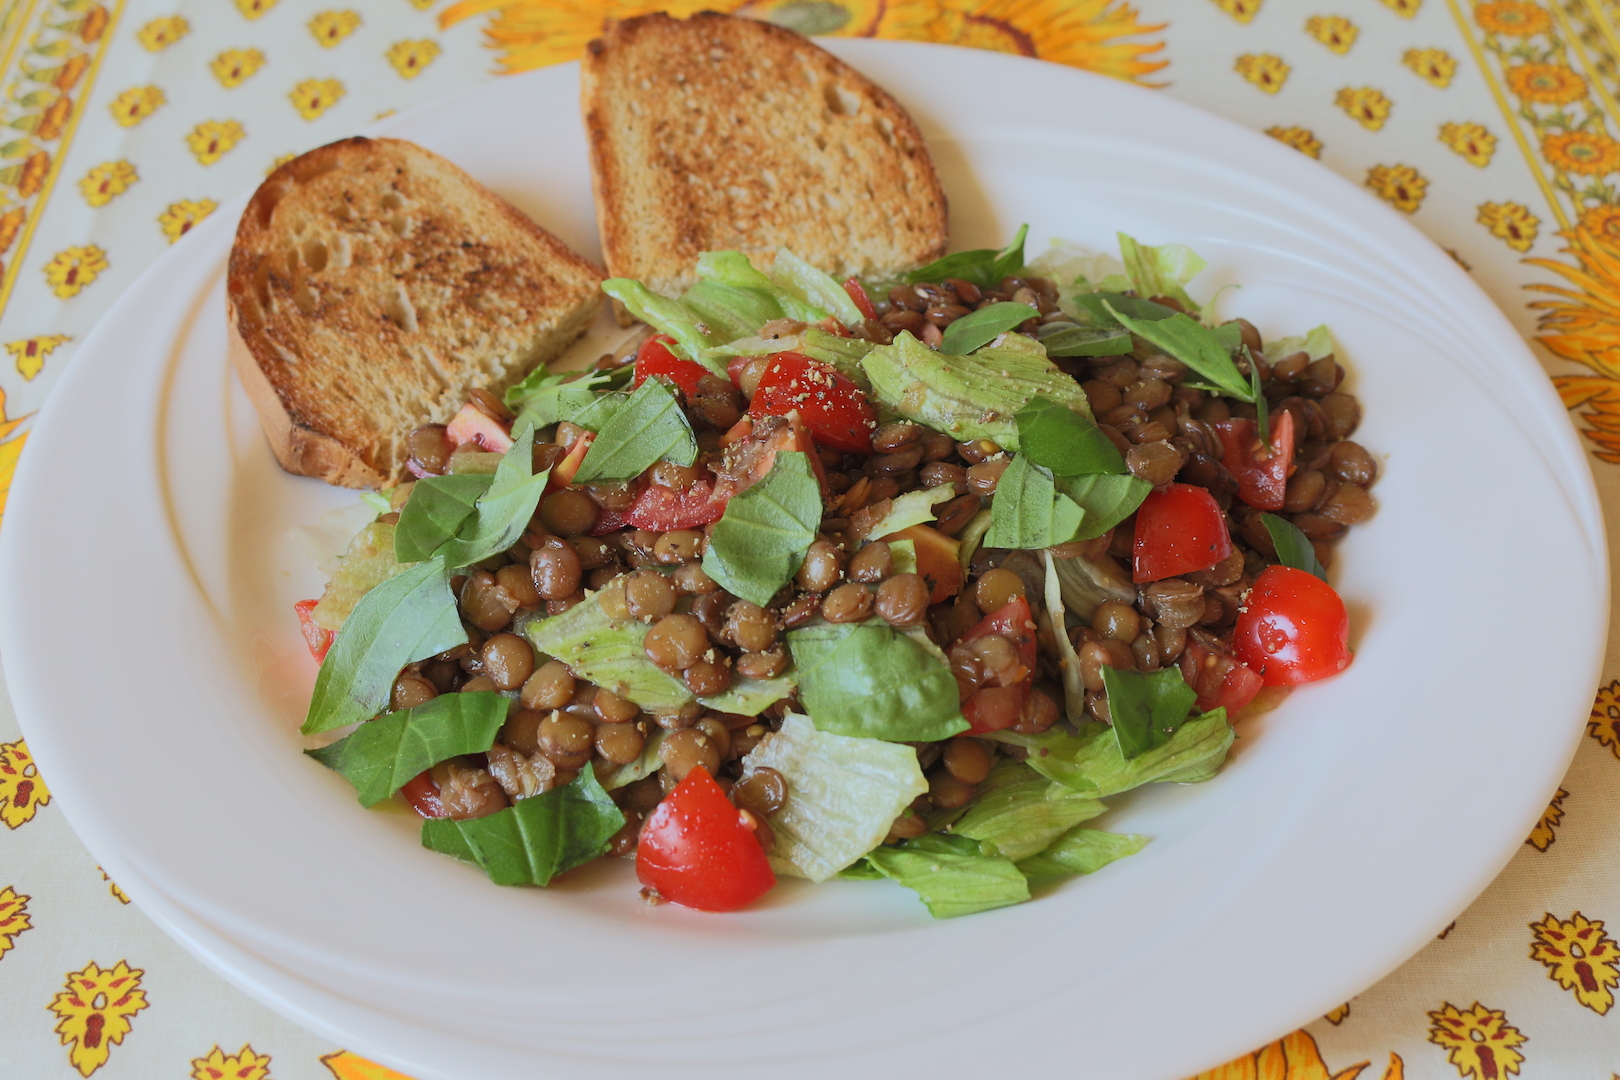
x: 372, y: 284
x: 720, y: 133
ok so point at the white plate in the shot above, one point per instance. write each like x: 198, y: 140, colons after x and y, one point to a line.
x: 159, y: 676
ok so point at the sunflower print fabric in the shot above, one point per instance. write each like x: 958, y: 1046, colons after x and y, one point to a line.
x: 1493, y: 125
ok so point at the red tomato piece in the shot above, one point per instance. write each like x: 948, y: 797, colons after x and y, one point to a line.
x: 423, y: 795
x: 831, y: 406
x: 473, y: 425
x: 697, y: 850
x: 1179, y: 530
x: 1293, y: 628
x: 653, y: 358
x: 1219, y: 680
x: 1262, y: 477
x: 319, y: 640
x: 857, y: 293
x: 663, y: 509
x: 752, y: 450
x: 607, y: 521
x: 994, y: 707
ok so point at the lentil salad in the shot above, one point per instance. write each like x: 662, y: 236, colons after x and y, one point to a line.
x: 891, y: 581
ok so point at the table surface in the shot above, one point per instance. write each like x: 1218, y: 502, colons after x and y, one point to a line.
x: 1494, y: 125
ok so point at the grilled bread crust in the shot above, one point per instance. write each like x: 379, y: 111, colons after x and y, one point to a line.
x: 371, y: 286
x: 721, y: 133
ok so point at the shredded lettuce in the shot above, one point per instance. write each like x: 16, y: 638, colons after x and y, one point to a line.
x: 912, y: 508
x: 869, y: 680
x: 1316, y: 344
x: 1080, y: 851
x: 950, y: 875
x: 1162, y: 270
x: 1016, y: 812
x: 369, y: 562
x: 799, y: 279
x: 1091, y: 763
x: 1072, y: 265
x: 750, y: 697
x: 608, y: 653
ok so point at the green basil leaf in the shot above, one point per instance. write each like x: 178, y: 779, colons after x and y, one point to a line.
x: 1086, y: 341
x: 608, y: 653
x: 436, y: 510
x: 982, y: 266
x: 538, y: 395
x: 1064, y: 441
x: 1080, y: 851
x: 1195, y: 345
x: 1230, y: 335
x: 647, y: 428
x: 983, y: 326
x: 868, y: 681
x: 1262, y: 415
x: 534, y: 840
x: 1147, y: 709
x: 1162, y: 270
x: 1027, y: 511
x: 407, y: 618
x: 382, y: 756
x: 1092, y: 763
x: 1016, y: 813
x: 590, y: 409
x: 1107, y: 499
x: 503, y: 513
x: 1293, y: 547
x: 1009, y: 261
x: 760, y: 540
x: 1098, y: 309
x: 948, y: 880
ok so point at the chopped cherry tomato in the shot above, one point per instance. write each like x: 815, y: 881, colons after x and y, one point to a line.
x: 562, y: 473
x: 319, y: 640
x: 832, y: 407
x: 1293, y: 628
x: 423, y: 795
x: 663, y: 509
x: 473, y: 425
x: 607, y: 521
x: 752, y: 449
x: 1262, y: 476
x: 1179, y: 530
x: 655, y: 359
x: 994, y: 707
x: 937, y: 560
x: 1219, y: 680
x: 697, y: 849
x: 857, y: 293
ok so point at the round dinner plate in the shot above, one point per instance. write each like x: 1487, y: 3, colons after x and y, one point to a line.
x: 149, y: 518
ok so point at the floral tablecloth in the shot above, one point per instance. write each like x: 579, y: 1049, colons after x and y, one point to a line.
x: 1495, y: 125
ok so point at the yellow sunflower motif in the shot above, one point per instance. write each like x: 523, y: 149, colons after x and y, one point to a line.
x: 331, y: 27
x: 421, y: 5
x: 135, y: 105
x: 1404, y: 8
x: 1479, y: 1042
x: 1433, y: 66
x: 253, y: 9
x: 13, y: 918
x: 279, y: 162
x: 1604, y: 723
x: 1264, y: 70
x: 96, y: 1011
x: 107, y: 181
x: 1366, y: 106
x: 312, y: 97
x: 1293, y: 1057
x: 1472, y: 141
x: 1589, y: 153
x: 347, y: 1065
x: 1299, y: 138
x: 179, y: 218
x: 71, y: 269
x: 1338, y: 1016
x: 22, y: 792
x: 1512, y: 18
x: 1402, y: 186
x: 1337, y: 33
x: 29, y: 354
x: 113, y: 889
x: 411, y: 58
x: 1545, y: 834
x: 1241, y: 10
x: 213, y: 139
x: 1546, y: 84
x: 1579, y: 957
x: 245, y: 1064
x: 161, y: 33
x: 233, y: 67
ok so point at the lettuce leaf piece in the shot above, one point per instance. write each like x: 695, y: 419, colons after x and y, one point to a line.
x: 845, y: 794
x: 502, y: 513
x: 1195, y: 345
x: 728, y: 311
x: 1316, y: 344
x: 647, y: 763
x: 912, y: 508
x: 1064, y: 441
x: 436, y: 510
x: 971, y: 536
x: 538, y: 396
x: 407, y: 618
x: 1074, y: 688
x: 1162, y: 270
x: 1016, y: 813
x: 650, y: 426
x: 982, y: 266
x: 1293, y: 547
x: 1146, y: 709
x: 750, y: 697
x: 981, y: 327
x: 670, y: 317
x: 1107, y: 499
x: 1080, y: 851
x: 760, y: 540
x: 843, y: 353
x: 903, y: 556
x: 818, y: 290
x: 968, y: 397
x: 950, y: 880
x: 382, y: 756
x: 368, y: 562
x: 736, y: 270
x: 1069, y: 264
x: 867, y: 680
x: 608, y: 653
x: 1027, y: 511
x: 535, y: 839
x: 1091, y: 762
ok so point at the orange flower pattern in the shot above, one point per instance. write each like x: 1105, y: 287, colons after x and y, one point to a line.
x: 1299, y: 138
x: 1294, y: 1057
x: 345, y: 1065
x: 1546, y: 84
x: 96, y: 1011
x: 1579, y: 957
x: 1264, y: 70
x: 1402, y: 186
x: 1512, y: 18
x: 1588, y: 153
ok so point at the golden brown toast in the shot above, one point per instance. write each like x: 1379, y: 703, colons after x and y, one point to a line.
x: 719, y: 133
x: 372, y: 284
